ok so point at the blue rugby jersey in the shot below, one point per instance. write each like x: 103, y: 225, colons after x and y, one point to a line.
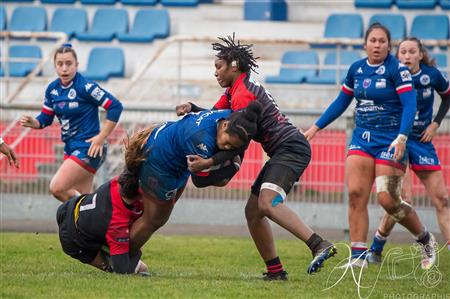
x: 376, y: 89
x: 426, y: 81
x: 76, y: 107
x: 194, y: 134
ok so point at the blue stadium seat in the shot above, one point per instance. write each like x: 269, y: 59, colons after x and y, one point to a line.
x: 416, y: 4
x: 441, y: 59
x: 344, y: 25
x: 99, y: 2
x: 58, y: 1
x: 396, y: 24
x: 22, y: 69
x: 179, y: 2
x: 108, y: 22
x: 265, y: 10
x: 328, y: 76
x: 373, y: 3
x: 148, y: 25
x: 2, y: 18
x: 105, y: 63
x: 139, y: 2
x: 295, y: 75
x: 69, y: 20
x: 430, y: 27
x: 17, y: 0
x: 445, y: 4
x: 28, y: 18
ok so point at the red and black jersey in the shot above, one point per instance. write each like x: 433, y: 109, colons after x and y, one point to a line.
x: 273, y: 126
x: 103, y: 218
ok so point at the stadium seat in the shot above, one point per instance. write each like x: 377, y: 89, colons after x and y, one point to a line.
x: 328, y: 76
x: 58, y: 1
x: 69, y: 20
x: 17, y: 0
x: 139, y: 2
x: 22, y: 69
x: 2, y: 18
x: 292, y: 74
x: 267, y: 10
x: 99, y: 2
x: 416, y: 4
x: 28, y: 18
x: 108, y: 22
x: 341, y: 26
x: 104, y: 63
x: 445, y: 4
x: 430, y: 27
x: 373, y: 3
x: 441, y: 59
x: 179, y: 2
x: 396, y: 24
x: 148, y: 25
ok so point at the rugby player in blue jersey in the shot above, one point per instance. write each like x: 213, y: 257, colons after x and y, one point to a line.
x: 423, y: 159
x: 385, y: 109
x: 75, y: 100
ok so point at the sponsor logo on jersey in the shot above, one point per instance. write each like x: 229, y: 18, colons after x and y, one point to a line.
x: 363, y: 102
x: 387, y: 155
x: 72, y: 94
x: 202, y: 147
x: 381, y: 70
x: 366, y: 83
x: 405, y: 75
x: 54, y: 92
x: 88, y: 86
x: 424, y: 79
x: 201, y: 117
x: 381, y: 83
x: 427, y: 92
x: 61, y: 105
x: 426, y: 160
x: 352, y: 147
x: 97, y: 93
x: 73, y: 105
x: 359, y: 71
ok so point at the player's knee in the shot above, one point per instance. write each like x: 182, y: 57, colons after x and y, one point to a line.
x: 56, y: 189
x: 355, y: 200
x: 442, y: 202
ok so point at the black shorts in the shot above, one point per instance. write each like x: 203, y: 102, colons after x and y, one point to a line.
x: 69, y: 236
x: 286, y: 165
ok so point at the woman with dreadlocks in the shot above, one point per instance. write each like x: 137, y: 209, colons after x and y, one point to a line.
x: 287, y: 148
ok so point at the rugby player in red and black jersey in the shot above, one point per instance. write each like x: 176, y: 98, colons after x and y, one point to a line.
x: 287, y: 148
x: 94, y: 228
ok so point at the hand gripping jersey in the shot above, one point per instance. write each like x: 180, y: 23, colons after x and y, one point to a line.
x: 376, y: 89
x: 426, y: 81
x: 165, y: 169
x: 102, y: 218
x: 273, y: 126
x: 76, y: 107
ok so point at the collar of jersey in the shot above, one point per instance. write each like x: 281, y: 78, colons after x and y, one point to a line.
x: 65, y: 87
x: 238, y: 81
x: 373, y: 65
x: 417, y: 74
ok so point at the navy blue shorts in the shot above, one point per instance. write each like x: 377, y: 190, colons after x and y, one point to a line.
x: 79, y: 154
x: 422, y: 155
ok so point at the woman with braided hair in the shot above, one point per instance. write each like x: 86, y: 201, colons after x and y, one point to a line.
x: 287, y: 148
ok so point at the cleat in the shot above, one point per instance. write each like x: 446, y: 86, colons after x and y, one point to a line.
x: 282, y: 275
x: 429, y: 253
x: 325, y: 251
x: 355, y: 263
x: 374, y: 257
x: 141, y: 269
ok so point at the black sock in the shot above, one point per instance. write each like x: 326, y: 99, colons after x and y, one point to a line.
x: 274, y: 265
x: 313, y: 242
x: 425, y: 239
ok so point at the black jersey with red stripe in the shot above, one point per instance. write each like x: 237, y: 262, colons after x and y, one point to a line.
x: 273, y: 126
x: 104, y: 219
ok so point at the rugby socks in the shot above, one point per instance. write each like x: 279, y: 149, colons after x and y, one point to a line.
x: 274, y: 266
x: 313, y: 242
x: 423, y: 238
x: 359, y: 250
x: 378, y: 243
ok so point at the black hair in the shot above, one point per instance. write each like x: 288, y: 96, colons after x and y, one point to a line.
x: 65, y: 48
x: 244, y: 123
x: 134, y: 156
x: 426, y: 59
x: 241, y: 53
x: 374, y: 26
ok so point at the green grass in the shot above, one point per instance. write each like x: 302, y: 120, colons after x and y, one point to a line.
x: 34, y: 266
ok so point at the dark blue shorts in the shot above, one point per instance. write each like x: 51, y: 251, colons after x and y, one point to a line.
x: 79, y: 153
x: 422, y: 155
x: 375, y: 144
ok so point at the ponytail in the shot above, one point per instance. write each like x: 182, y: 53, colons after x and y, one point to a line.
x: 134, y: 156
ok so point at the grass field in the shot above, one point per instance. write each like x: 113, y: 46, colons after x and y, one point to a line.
x: 34, y: 266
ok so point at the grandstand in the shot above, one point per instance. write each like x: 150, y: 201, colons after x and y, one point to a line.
x: 156, y: 54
